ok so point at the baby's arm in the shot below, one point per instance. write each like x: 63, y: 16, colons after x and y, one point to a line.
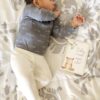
x: 62, y: 31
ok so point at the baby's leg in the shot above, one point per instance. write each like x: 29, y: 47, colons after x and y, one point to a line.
x: 42, y: 71
x: 21, y: 66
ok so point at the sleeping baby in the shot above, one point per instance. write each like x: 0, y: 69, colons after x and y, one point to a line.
x: 36, y: 26
x: 28, y: 63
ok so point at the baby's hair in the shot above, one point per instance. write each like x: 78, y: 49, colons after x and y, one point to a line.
x: 34, y: 2
x: 28, y: 1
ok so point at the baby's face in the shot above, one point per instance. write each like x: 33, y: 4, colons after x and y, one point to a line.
x: 47, y: 4
x: 77, y: 20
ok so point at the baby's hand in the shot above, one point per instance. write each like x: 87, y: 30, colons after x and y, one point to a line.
x: 57, y: 13
x: 77, y: 20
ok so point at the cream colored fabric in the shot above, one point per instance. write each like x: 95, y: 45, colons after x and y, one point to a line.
x: 32, y: 72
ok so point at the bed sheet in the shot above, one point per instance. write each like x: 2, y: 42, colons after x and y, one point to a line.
x: 64, y: 85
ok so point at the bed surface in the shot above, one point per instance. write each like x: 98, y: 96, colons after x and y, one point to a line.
x: 64, y: 85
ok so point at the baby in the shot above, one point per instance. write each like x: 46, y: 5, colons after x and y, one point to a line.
x: 28, y: 63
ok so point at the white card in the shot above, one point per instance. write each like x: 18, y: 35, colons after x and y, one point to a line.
x: 75, y: 57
